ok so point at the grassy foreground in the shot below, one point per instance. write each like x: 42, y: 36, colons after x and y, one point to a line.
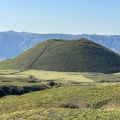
x: 70, y: 102
x: 82, y: 96
x: 62, y: 114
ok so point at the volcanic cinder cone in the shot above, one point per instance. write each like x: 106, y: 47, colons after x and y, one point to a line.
x: 80, y: 55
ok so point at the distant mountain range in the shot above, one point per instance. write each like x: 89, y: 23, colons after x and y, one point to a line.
x: 13, y: 43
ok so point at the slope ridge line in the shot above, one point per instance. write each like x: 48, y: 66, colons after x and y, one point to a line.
x: 40, y: 55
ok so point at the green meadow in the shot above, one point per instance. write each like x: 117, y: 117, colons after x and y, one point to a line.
x: 73, y: 96
x: 87, y: 86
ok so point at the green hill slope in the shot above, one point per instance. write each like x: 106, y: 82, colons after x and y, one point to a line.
x: 80, y: 55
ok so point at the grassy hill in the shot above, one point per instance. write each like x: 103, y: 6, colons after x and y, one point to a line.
x: 32, y: 86
x: 80, y: 55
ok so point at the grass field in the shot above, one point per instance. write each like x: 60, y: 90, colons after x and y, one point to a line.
x: 70, y: 102
x: 21, y: 78
x: 63, y: 77
x: 80, y: 96
x: 62, y: 114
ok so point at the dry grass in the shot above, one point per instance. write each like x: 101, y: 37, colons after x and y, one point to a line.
x: 52, y: 75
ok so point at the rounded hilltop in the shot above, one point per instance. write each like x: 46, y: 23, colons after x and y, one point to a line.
x: 81, y: 55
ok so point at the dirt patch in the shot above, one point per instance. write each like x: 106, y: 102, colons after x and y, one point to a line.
x: 73, y: 105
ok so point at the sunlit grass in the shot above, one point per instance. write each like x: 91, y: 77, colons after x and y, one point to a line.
x: 62, y: 114
x: 87, y: 100
x: 53, y: 75
x: 90, y: 102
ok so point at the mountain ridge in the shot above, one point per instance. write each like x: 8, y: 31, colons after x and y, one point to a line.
x: 18, y: 42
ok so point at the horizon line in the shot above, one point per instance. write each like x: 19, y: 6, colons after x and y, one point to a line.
x: 61, y: 33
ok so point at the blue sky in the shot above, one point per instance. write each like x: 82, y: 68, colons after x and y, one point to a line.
x: 61, y: 16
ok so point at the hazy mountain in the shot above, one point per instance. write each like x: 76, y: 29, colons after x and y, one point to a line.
x: 13, y: 43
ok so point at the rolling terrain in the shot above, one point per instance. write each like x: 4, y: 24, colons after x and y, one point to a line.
x: 80, y: 55
x: 61, y: 80
x: 81, y: 102
x: 18, y: 42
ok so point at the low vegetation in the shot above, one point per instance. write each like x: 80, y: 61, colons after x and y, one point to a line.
x: 62, y: 114
x: 66, y: 102
x: 54, y: 95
